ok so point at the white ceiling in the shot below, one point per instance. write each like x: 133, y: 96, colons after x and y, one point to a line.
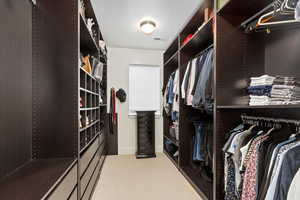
x: 119, y: 19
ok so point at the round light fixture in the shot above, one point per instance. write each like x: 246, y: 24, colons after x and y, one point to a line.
x: 147, y: 26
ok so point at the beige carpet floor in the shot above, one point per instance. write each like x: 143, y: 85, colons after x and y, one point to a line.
x: 126, y: 178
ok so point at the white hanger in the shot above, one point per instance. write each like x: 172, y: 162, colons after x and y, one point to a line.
x: 269, y: 14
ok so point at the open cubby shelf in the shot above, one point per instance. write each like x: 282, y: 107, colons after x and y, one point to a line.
x: 90, y: 125
x: 88, y: 91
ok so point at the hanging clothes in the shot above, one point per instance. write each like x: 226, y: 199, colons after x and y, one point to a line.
x: 202, y: 96
x: 260, y: 164
x: 185, y: 81
x: 171, y: 96
x: 191, y: 82
x: 196, y: 88
x: 176, y: 92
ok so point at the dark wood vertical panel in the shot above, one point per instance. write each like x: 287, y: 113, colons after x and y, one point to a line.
x: 15, y: 84
x: 282, y: 52
x: 55, y: 81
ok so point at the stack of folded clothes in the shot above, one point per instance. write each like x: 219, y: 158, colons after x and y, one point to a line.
x: 260, y: 90
x: 285, y: 90
x: 268, y: 90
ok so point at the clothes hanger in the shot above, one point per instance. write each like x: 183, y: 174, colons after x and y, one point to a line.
x: 264, y: 19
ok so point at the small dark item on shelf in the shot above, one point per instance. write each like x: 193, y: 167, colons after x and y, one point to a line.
x: 146, y: 134
x: 121, y: 95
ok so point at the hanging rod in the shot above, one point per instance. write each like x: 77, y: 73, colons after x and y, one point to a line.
x: 267, y: 119
x: 246, y: 22
x: 208, y: 48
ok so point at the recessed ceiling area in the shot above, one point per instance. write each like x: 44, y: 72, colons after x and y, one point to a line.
x: 119, y: 21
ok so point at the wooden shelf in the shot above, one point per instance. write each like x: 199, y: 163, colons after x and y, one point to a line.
x: 173, y: 61
x: 88, y: 91
x: 93, y: 108
x: 89, y: 143
x: 171, y: 51
x: 259, y: 107
x: 201, y: 39
x: 173, y: 140
x: 175, y: 162
x: 203, y: 188
x: 243, y: 8
x: 92, y: 124
x: 88, y: 74
x: 34, y: 179
x: 87, y: 42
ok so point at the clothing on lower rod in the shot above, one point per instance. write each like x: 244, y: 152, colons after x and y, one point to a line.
x: 261, y: 165
x: 200, y: 131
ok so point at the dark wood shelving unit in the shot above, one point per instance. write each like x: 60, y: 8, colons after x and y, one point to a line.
x: 43, y: 158
x: 177, y: 57
x: 239, y: 56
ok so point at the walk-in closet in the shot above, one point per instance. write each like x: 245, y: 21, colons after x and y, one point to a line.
x: 149, y: 100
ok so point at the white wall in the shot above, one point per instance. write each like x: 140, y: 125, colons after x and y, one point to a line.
x: 119, y: 60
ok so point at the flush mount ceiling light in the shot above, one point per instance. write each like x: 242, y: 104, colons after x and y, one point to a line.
x: 147, y: 26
